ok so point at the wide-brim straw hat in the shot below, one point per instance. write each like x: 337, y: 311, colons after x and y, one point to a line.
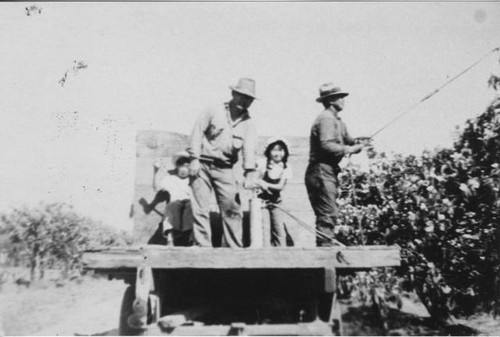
x: 328, y: 89
x: 245, y: 86
x: 180, y: 155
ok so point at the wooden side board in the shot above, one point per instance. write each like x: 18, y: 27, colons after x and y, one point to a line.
x: 162, y: 257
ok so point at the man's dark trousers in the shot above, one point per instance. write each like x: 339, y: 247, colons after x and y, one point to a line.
x: 323, y: 190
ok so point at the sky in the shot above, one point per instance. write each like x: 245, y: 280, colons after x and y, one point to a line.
x: 156, y: 65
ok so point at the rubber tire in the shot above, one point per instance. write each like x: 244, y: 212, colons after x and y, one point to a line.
x: 126, y: 310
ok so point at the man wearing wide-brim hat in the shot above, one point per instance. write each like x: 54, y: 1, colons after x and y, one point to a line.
x: 329, y: 143
x: 220, y: 134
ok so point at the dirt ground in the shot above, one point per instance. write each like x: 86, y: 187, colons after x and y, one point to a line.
x: 486, y: 324
x: 92, y: 308
x: 89, y: 308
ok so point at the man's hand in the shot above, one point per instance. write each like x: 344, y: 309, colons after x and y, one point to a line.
x: 250, y: 180
x: 264, y: 186
x: 157, y: 164
x: 365, y: 141
x: 354, y: 149
x: 194, y: 167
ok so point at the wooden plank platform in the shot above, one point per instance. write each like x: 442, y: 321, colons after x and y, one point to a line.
x: 162, y: 257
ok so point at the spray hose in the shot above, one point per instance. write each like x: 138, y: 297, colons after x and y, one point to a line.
x: 404, y: 113
x: 308, y: 227
x: 434, y: 92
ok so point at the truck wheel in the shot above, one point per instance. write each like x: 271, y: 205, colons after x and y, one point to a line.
x: 124, y: 329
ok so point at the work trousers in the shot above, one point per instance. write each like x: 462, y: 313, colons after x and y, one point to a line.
x: 277, y: 222
x: 222, y: 181
x: 322, y: 188
x: 182, y: 238
x: 178, y: 220
x: 178, y: 215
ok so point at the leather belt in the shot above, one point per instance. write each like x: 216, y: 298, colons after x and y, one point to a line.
x: 335, y: 167
x: 216, y: 162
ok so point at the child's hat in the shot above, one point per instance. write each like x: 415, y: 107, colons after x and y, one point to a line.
x: 274, y: 140
x: 180, y: 155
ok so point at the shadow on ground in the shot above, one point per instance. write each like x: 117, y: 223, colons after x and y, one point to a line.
x: 364, y: 321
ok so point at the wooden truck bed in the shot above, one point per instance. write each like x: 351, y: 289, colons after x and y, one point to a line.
x: 232, y: 291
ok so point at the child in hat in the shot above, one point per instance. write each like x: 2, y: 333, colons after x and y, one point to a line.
x: 174, y: 189
x: 274, y: 172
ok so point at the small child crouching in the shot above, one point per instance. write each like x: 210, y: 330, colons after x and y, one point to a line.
x: 178, y: 216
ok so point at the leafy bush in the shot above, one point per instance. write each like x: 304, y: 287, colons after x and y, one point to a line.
x: 443, y: 209
x: 54, y: 235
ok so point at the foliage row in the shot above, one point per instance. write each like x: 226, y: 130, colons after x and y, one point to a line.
x: 53, y: 235
x: 443, y: 209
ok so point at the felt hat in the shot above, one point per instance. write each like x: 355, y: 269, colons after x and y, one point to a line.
x: 328, y: 89
x: 245, y: 86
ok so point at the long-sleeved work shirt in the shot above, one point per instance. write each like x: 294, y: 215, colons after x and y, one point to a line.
x: 216, y: 136
x: 329, y: 139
